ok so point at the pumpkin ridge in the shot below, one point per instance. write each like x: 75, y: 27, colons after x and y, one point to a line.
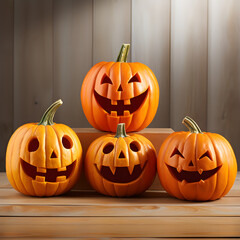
x: 216, y: 153
x: 53, y: 126
x: 97, y: 153
x: 146, y: 116
x: 92, y: 89
x: 225, y: 190
x: 20, y: 167
x: 144, y: 142
x: 103, y: 185
x: 45, y: 139
x: 12, y: 142
x: 168, y: 144
x: 92, y: 145
x: 89, y: 84
x: 30, y: 129
x: 19, y: 164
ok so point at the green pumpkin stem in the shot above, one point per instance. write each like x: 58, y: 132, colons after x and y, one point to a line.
x: 47, y: 118
x: 121, y: 132
x: 123, y: 54
x: 191, y: 125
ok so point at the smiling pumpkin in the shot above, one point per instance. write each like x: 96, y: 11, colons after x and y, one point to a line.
x: 195, y: 165
x: 120, y: 165
x: 45, y: 158
x: 120, y: 92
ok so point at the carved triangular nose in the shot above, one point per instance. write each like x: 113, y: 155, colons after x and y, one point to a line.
x: 190, y: 164
x: 121, y: 155
x: 120, y: 88
x: 53, y: 155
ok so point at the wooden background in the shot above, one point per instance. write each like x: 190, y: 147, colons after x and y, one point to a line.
x: 192, y: 46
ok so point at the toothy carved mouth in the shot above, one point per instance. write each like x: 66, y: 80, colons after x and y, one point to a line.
x: 193, y: 176
x: 121, y: 107
x: 48, y: 174
x: 121, y: 174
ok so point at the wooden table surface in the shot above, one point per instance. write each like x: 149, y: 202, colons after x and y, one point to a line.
x: 88, y: 214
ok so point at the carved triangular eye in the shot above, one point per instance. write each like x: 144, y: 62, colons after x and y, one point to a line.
x: 135, y: 78
x: 206, y: 154
x: 106, y: 79
x: 176, y: 152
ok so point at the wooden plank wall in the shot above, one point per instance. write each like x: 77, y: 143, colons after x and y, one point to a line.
x: 6, y: 76
x: 193, y: 47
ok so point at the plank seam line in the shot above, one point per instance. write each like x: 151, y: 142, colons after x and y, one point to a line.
x: 117, y: 217
x: 117, y: 205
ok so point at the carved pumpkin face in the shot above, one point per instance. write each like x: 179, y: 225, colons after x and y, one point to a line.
x: 121, y: 165
x: 195, y: 165
x: 43, y: 159
x: 120, y: 92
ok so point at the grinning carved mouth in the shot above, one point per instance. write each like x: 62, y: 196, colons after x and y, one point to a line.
x: 121, y: 106
x: 193, y: 176
x: 48, y: 174
x: 121, y: 174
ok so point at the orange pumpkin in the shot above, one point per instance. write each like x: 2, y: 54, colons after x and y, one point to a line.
x: 120, y: 165
x: 120, y: 92
x: 196, y: 165
x: 45, y: 158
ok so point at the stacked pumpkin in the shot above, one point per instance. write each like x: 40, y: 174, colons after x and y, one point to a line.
x: 45, y: 158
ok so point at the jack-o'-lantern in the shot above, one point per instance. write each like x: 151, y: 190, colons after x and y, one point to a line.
x: 196, y: 165
x: 120, y: 92
x: 120, y: 165
x: 45, y: 158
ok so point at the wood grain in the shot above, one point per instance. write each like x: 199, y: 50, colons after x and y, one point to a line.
x: 111, y: 28
x: 6, y: 76
x: 92, y: 198
x: 117, y: 238
x: 72, y: 57
x: 89, y: 214
x: 189, y: 53
x: 151, y: 46
x: 120, y: 227
x: 91, y: 204
x: 224, y: 70
x: 33, y: 85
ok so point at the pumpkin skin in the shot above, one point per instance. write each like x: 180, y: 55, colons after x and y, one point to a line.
x: 120, y: 165
x: 196, y: 165
x: 44, y: 159
x: 120, y: 92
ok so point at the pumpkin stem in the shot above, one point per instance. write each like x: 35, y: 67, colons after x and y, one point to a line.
x: 191, y: 125
x: 123, y: 54
x: 121, y: 132
x: 47, y: 118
